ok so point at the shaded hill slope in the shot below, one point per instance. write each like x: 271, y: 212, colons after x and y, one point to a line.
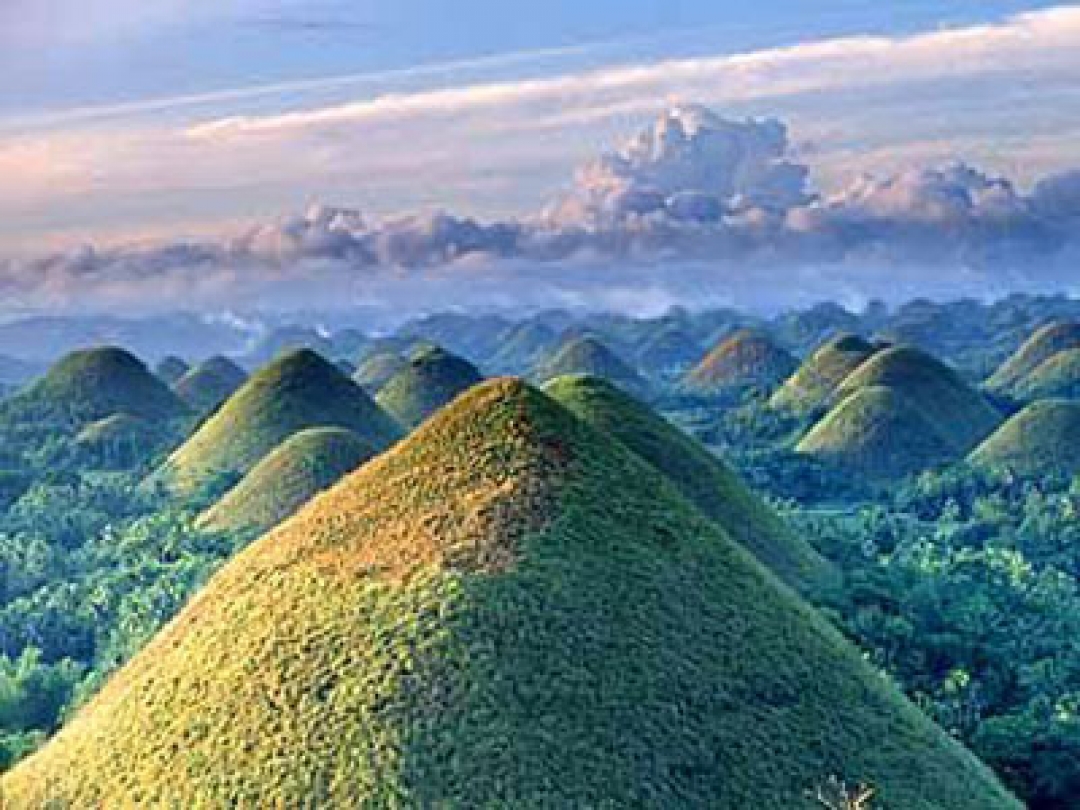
x: 431, y: 378
x: 1042, y: 438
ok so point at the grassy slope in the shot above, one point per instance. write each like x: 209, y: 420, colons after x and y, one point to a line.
x: 298, y: 390
x: 958, y: 412
x: 508, y: 609
x: 1055, y: 378
x: 210, y: 383
x: 92, y: 384
x: 377, y: 370
x: 431, y: 379
x: 745, y: 358
x: 699, y: 475
x: 587, y: 355
x: 813, y: 385
x: 288, y: 477
x: 1043, y: 437
x: 1036, y: 350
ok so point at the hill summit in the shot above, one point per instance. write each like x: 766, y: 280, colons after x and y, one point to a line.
x: 92, y: 384
x: 210, y: 383
x: 587, y: 354
x: 296, y: 391
x: 814, y: 384
x: 431, y: 378
x: 1046, y: 342
x: 507, y: 609
x: 1042, y: 438
x: 900, y: 412
x: 748, y: 358
x: 700, y: 477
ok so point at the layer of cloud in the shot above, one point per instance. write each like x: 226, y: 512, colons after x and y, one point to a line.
x: 695, y: 209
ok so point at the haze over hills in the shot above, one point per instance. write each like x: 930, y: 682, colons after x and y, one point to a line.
x: 170, y: 369
x: 377, y: 369
x: 306, y: 463
x: 296, y: 391
x: 698, y: 475
x: 586, y: 354
x: 900, y: 411
x: 430, y: 379
x: 506, y: 595
x: 1043, y: 437
x: 748, y: 358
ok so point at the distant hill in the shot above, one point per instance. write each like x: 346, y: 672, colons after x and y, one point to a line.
x: 508, y: 609
x: 899, y: 412
x: 1042, y: 438
x: 586, y: 354
x: 89, y: 385
x: 748, y: 358
x: 431, y: 378
x: 521, y: 347
x: 298, y: 390
x: 669, y: 350
x: 210, y: 383
x: 699, y: 476
x: 376, y: 370
x: 814, y: 384
x: 170, y: 369
x: 1058, y: 377
x: 299, y: 468
x: 1036, y: 350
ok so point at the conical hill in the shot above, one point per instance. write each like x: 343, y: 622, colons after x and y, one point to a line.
x: 210, y: 383
x: 813, y: 385
x: 1042, y: 438
x: 507, y: 609
x: 432, y: 377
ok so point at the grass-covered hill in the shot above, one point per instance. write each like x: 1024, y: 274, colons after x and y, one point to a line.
x: 745, y: 359
x: 376, y: 370
x: 1042, y: 438
x: 521, y: 347
x: 210, y: 383
x: 431, y: 378
x: 699, y: 476
x: 508, y: 609
x: 813, y: 385
x: 298, y: 390
x: 170, y: 369
x: 899, y: 412
x: 89, y: 385
x: 668, y: 350
x: 1041, y: 346
x: 586, y: 354
x: 302, y: 466
x: 120, y: 440
x: 1055, y: 378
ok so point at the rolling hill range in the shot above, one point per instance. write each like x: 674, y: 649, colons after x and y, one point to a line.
x: 289, y: 476
x: 298, y: 390
x: 1044, y: 437
x: 1046, y: 342
x: 431, y: 378
x: 586, y: 354
x: 900, y: 412
x: 669, y: 350
x: 210, y: 383
x: 813, y: 385
x: 508, y: 609
x: 745, y: 359
x: 700, y: 477
x: 89, y: 385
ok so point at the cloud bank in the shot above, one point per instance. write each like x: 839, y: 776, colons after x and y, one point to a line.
x: 695, y: 209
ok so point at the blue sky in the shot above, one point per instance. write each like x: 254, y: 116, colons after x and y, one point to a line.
x: 124, y: 120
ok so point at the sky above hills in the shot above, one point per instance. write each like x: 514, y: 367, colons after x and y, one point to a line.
x: 154, y: 148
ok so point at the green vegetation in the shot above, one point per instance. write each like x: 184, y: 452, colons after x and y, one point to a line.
x: 89, y: 385
x: 587, y: 355
x: 1042, y: 439
x: 667, y: 351
x: 507, y: 609
x: 522, y: 347
x: 699, y: 476
x: 812, y: 387
x: 210, y: 383
x: 430, y: 379
x: 748, y: 358
x: 298, y: 390
x: 119, y: 441
x: 376, y: 370
x: 1036, y: 350
x: 1055, y: 378
x: 303, y: 465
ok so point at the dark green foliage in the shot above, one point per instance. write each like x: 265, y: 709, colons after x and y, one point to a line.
x: 120, y: 441
x: 508, y: 609
x: 170, y: 369
x: 431, y: 378
x: 298, y: 390
x: 204, y: 387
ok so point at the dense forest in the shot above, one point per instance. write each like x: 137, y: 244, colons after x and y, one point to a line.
x: 886, y: 439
